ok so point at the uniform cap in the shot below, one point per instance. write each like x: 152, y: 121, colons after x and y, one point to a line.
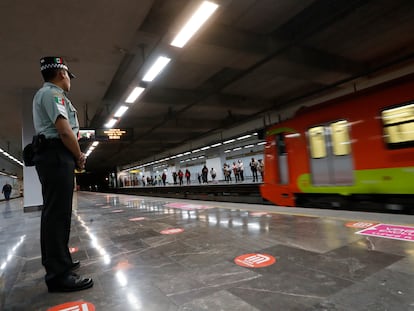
x: 54, y: 62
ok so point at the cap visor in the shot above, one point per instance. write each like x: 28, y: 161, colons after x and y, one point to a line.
x: 71, y: 75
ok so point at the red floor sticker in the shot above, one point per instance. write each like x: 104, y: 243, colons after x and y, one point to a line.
x: 255, y: 260
x: 73, y: 250
x: 360, y: 224
x: 258, y: 214
x: 186, y: 206
x: 123, y: 265
x: 395, y: 232
x: 172, y: 231
x: 137, y: 219
x: 74, y: 306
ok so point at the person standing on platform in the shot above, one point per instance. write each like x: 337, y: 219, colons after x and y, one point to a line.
x: 180, y: 177
x: 7, y: 189
x: 253, y: 168
x: 57, y: 154
x: 188, y: 176
x: 213, y: 174
x: 260, y: 168
x: 204, y: 173
x: 241, y: 170
x: 236, y: 171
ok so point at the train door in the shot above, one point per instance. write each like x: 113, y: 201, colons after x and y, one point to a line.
x: 282, y: 159
x: 330, y: 154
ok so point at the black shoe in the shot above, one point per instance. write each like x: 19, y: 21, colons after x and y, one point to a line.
x: 70, y: 282
x: 75, y: 265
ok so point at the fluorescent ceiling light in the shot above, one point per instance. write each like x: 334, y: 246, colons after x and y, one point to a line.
x: 229, y: 141
x: 205, y: 10
x: 111, y: 123
x: 195, y: 150
x: 227, y: 151
x: 261, y: 143
x: 244, y: 137
x: 238, y: 148
x: 216, y: 145
x: 156, y: 68
x: 205, y: 148
x: 120, y: 112
x: 132, y: 97
x: 249, y: 146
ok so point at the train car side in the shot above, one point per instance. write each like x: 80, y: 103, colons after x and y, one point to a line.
x: 359, y: 147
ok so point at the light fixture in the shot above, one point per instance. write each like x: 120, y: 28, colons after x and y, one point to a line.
x: 229, y: 141
x: 204, y: 11
x: 132, y: 97
x: 215, y: 145
x: 111, y: 123
x: 156, y: 68
x: 243, y: 137
x: 120, y: 112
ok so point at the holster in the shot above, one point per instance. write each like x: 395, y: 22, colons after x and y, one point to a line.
x: 39, y: 142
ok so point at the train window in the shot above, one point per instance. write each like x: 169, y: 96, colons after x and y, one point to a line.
x: 340, y: 138
x: 317, y: 142
x: 399, y: 126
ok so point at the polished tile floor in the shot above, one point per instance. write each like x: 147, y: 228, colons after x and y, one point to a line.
x: 163, y: 254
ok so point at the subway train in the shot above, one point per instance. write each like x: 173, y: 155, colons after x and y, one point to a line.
x: 353, y: 151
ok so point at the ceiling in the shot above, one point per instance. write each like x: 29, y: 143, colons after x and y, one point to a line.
x: 252, y: 58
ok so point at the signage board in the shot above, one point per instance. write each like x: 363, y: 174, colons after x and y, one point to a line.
x: 113, y: 134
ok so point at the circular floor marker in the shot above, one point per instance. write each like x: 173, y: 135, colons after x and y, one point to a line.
x: 360, y: 224
x: 74, y: 306
x: 172, y: 231
x: 137, y: 219
x: 255, y: 260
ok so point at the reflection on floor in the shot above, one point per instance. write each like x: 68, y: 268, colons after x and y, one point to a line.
x: 157, y: 254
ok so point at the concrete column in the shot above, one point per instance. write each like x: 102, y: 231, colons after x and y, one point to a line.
x: 32, y: 188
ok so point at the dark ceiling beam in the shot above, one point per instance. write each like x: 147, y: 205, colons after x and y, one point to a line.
x: 315, y: 58
x: 296, y: 30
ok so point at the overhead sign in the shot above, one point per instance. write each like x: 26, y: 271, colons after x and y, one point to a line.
x: 395, y: 232
x: 86, y: 134
x: 113, y: 134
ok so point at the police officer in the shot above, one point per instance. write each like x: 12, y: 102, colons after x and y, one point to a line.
x: 57, y: 155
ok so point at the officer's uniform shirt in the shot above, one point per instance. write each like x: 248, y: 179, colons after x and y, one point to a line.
x: 49, y: 103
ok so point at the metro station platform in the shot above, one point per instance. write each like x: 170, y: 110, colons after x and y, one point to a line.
x: 147, y: 253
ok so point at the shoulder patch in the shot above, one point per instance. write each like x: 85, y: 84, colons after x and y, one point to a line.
x: 59, y: 100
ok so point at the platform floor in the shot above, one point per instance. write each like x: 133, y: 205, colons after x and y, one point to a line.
x: 320, y: 261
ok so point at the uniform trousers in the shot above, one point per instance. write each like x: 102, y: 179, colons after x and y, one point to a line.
x: 55, y: 166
